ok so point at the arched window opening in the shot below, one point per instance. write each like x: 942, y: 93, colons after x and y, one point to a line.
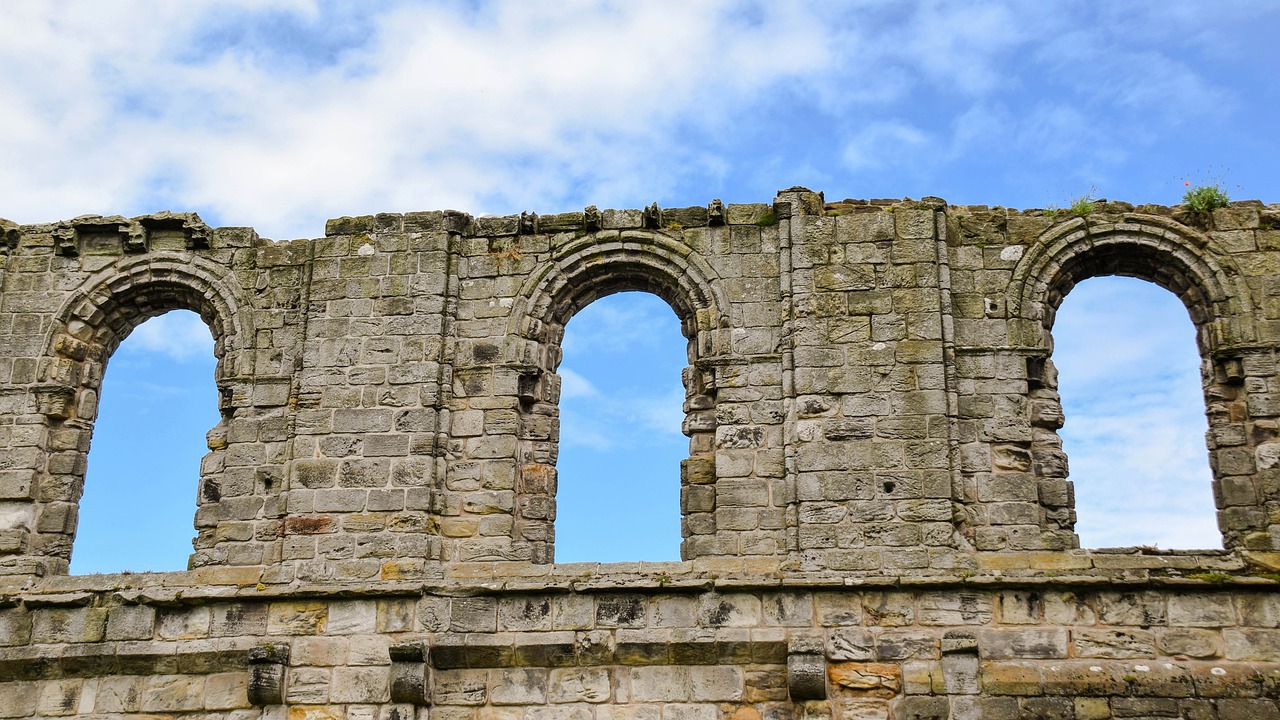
x: 620, y: 439
x: 1129, y: 374
x: 157, y: 402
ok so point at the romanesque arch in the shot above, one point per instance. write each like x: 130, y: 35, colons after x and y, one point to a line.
x: 85, y: 332
x: 583, y: 271
x: 1166, y: 253
x: 1177, y: 259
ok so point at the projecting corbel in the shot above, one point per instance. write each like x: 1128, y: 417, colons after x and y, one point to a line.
x: 267, y: 666
x: 410, y: 674
x: 55, y: 401
x: 806, y: 669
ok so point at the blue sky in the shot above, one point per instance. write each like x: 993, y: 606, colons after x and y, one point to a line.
x: 282, y: 114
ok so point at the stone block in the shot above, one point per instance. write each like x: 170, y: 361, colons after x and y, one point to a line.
x: 360, y: 684
x: 172, y: 693
x: 368, y: 650
x: 960, y: 674
x: 1200, y: 610
x: 1010, y: 678
x: 131, y: 622
x: 1088, y: 643
x: 1132, y: 608
x: 319, y: 651
x: 659, y: 684
x: 954, y: 608
x: 15, y: 627
x: 518, y: 686
x: 580, y: 685
x: 736, y: 610
x: 906, y: 644
x: 351, y: 617
x: 60, y: 697
x: 297, y: 618
x: 716, y: 683
x: 1252, y: 644
x: 460, y: 687
x: 1254, y: 709
x: 70, y: 625
x: 689, y: 711
x: 476, y: 614
x: 226, y: 691
x: 18, y: 699
x: 621, y: 611
x: 1027, y: 642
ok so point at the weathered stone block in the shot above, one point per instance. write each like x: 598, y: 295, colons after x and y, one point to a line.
x: 1113, y: 643
x: 659, y: 684
x: 577, y: 685
x: 1038, y: 643
x: 131, y: 622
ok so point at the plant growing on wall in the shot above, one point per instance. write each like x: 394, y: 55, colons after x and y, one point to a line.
x: 1205, y: 198
x: 1082, y: 206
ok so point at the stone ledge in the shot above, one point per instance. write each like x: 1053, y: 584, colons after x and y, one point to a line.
x: 631, y: 648
x: 1136, y: 678
x: 124, y: 658
x: 1212, y: 571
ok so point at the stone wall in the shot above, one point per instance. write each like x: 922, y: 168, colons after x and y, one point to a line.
x: 876, y: 516
x: 579, y: 643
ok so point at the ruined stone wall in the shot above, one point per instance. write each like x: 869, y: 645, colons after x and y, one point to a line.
x: 876, y: 516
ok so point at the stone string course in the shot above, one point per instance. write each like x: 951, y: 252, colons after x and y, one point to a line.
x: 877, y: 519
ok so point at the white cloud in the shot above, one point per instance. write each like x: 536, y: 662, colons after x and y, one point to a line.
x: 881, y: 144
x: 573, y: 385
x: 579, y: 429
x: 510, y: 105
x: 634, y: 417
x: 1130, y: 385
x: 623, y: 392
x: 962, y: 45
x: 1155, y: 342
x: 640, y: 322
x: 660, y: 415
x: 180, y: 336
x: 282, y: 113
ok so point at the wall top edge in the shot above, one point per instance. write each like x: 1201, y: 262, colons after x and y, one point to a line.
x: 652, y: 217
x: 1179, y: 570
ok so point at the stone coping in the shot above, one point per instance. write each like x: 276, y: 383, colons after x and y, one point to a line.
x: 658, y: 218
x: 1129, y: 568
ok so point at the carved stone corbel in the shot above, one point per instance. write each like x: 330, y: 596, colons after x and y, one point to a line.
x: 10, y: 233
x: 410, y: 674
x: 267, y: 666
x: 652, y: 217
x: 715, y: 213
x: 133, y: 237
x: 528, y: 223
x: 64, y: 241
x: 55, y: 401
x: 807, y: 676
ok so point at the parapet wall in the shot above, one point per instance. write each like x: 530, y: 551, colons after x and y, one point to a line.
x: 579, y: 644
x: 876, y: 515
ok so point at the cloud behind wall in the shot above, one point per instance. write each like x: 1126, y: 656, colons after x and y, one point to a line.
x: 1129, y: 376
x: 282, y: 113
